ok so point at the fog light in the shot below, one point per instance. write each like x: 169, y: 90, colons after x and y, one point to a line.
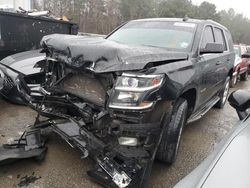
x: 128, y: 141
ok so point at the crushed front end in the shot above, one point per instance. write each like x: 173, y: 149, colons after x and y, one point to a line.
x: 116, y: 118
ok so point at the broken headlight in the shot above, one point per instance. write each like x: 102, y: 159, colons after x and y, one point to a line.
x: 130, y: 91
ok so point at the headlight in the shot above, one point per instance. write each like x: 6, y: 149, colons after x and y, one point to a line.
x: 130, y: 91
x: 129, y: 82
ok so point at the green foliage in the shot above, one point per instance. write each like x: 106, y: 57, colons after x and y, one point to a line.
x: 176, y: 8
x: 135, y: 9
x: 102, y: 16
x: 207, y: 11
x: 237, y: 24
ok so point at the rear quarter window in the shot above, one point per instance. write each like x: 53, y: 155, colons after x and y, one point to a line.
x: 220, y: 38
x: 229, y: 40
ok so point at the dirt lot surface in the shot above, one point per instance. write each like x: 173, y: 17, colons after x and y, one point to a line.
x: 63, y: 167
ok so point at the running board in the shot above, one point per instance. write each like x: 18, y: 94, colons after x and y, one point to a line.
x: 204, y: 110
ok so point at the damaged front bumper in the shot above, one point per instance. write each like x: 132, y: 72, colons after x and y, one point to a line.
x: 121, y: 144
x: 115, y: 167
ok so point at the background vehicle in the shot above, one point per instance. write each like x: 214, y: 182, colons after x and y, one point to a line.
x: 126, y: 98
x: 22, y: 32
x: 221, y: 169
x: 21, y: 63
x: 241, y: 64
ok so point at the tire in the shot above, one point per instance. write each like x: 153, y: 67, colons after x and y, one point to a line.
x: 244, y: 76
x: 223, y: 94
x: 168, y: 148
x: 234, y: 80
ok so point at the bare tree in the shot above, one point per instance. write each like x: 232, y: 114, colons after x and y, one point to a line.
x: 102, y: 16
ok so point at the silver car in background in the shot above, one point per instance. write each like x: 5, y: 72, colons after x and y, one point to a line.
x: 229, y: 165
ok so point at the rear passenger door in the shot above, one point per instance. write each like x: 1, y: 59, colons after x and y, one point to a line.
x: 223, y: 59
x: 210, y: 68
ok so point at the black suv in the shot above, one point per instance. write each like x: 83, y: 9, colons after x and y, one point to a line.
x: 124, y: 100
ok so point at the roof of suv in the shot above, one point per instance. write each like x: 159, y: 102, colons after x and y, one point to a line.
x: 188, y: 20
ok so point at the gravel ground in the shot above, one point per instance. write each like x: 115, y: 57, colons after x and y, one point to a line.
x: 63, y: 167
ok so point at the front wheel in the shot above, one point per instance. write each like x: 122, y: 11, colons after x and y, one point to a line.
x: 223, y: 94
x: 168, y: 148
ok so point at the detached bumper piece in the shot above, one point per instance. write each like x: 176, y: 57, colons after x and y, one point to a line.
x: 31, y: 146
x: 111, y: 174
x: 114, y: 165
x: 106, y: 173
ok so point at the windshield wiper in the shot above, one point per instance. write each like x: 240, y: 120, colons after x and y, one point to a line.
x: 156, y: 47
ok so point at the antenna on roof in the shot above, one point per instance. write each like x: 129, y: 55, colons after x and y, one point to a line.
x: 185, y: 18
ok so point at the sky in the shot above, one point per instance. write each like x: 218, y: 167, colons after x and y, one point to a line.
x: 240, y: 6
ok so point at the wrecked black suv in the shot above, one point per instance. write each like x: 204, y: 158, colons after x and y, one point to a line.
x: 124, y: 100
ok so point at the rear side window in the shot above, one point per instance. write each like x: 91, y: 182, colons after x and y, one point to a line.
x: 208, y: 36
x: 220, y: 38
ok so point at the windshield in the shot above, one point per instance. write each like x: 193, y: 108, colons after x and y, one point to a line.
x: 165, y: 34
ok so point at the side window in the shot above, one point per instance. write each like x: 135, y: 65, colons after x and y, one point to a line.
x: 220, y: 38
x: 208, y: 36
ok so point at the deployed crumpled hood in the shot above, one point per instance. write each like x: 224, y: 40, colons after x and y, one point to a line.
x: 24, y: 62
x: 104, y: 55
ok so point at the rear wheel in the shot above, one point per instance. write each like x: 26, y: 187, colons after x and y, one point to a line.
x: 244, y: 76
x: 223, y: 94
x: 168, y: 148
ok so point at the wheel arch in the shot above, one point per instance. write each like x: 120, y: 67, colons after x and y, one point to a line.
x: 191, y: 96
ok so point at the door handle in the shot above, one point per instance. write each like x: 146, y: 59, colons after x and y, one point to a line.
x: 218, y: 62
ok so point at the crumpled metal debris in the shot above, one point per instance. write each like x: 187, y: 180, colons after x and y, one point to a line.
x: 26, y: 180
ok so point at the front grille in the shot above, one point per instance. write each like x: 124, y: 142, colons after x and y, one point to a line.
x: 8, y: 84
x: 85, y: 87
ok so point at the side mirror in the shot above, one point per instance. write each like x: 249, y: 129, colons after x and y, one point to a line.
x: 212, y: 48
x: 245, y: 56
x: 240, y: 101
